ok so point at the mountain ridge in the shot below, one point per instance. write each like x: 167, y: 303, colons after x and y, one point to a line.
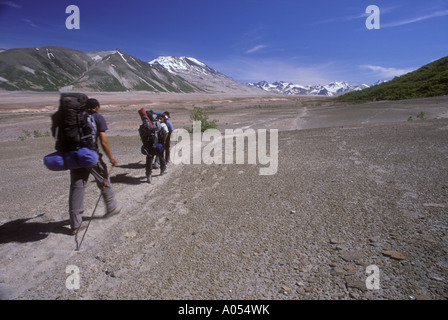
x: 334, y: 88
x: 430, y: 80
x: 64, y: 69
x: 53, y: 68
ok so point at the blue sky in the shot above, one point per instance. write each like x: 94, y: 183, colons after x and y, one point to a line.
x: 304, y: 42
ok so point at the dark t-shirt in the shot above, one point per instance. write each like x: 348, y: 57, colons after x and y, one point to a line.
x: 100, y: 125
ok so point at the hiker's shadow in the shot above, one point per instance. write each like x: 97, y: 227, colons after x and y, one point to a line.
x: 124, y: 178
x: 22, y: 231
x: 135, y: 165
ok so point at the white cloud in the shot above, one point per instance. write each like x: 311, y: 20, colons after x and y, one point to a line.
x: 386, y: 73
x: 342, y: 19
x: 31, y: 23
x: 11, y: 4
x: 256, y: 48
x: 421, y: 18
x: 361, y: 15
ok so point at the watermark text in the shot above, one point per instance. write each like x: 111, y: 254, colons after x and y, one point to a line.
x: 229, y: 148
x: 73, y: 20
x: 72, y: 281
x: 373, y: 21
x: 373, y: 279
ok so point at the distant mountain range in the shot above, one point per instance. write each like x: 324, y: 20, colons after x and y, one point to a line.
x: 64, y: 69
x: 329, y: 90
x: 198, y: 73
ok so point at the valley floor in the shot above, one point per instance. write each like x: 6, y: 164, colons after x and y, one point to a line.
x: 357, y: 186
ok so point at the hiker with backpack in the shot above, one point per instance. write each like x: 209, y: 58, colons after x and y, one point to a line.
x: 153, y: 134
x: 77, y: 126
x: 168, y: 139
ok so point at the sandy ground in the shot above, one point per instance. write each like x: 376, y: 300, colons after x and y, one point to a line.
x: 356, y: 186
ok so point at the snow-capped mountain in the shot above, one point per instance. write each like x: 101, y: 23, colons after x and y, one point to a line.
x: 182, y: 64
x: 64, y: 69
x: 332, y: 89
x: 201, y: 75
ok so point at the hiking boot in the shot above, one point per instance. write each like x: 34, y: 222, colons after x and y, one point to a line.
x: 113, y: 212
x: 148, y: 178
x: 75, y: 231
x: 163, y: 171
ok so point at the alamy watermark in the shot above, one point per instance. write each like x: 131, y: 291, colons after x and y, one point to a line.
x: 73, y: 21
x: 73, y: 280
x: 221, y: 149
x: 373, y: 279
x: 373, y: 20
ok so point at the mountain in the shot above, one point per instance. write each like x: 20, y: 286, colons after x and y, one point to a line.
x: 201, y: 75
x: 430, y: 80
x: 330, y: 90
x: 58, y: 68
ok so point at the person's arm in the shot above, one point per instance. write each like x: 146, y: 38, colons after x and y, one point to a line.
x: 170, y: 126
x: 106, y: 148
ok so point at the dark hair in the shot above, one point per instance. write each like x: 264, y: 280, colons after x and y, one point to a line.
x: 167, y: 113
x: 92, y: 103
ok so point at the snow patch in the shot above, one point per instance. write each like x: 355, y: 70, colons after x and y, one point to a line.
x: 50, y: 54
x: 181, y: 65
x: 197, y: 62
x: 122, y: 57
x: 96, y: 58
x: 27, y: 69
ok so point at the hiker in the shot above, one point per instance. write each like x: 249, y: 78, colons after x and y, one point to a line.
x: 153, y: 141
x: 79, y: 177
x: 169, y: 124
x: 164, y: 132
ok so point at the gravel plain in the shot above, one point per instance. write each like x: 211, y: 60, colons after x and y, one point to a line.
x: 356, y: 186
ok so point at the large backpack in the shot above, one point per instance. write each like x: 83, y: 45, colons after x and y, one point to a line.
x: 74, y: 129
x: 72, y: 125
x: 149, y: 130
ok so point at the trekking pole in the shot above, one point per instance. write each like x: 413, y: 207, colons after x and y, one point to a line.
x: 78, y: 246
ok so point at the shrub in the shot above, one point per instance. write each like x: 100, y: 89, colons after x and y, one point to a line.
x: 199, y: 114
x: 26, y: 134
x: 421, y: 116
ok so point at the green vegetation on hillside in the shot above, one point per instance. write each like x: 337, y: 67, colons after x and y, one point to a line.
x: 430, y: 80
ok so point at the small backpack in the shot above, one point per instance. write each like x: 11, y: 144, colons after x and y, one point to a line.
x: 149, y: 130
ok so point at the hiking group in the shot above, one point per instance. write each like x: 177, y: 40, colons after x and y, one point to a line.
x: 77, y: 127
